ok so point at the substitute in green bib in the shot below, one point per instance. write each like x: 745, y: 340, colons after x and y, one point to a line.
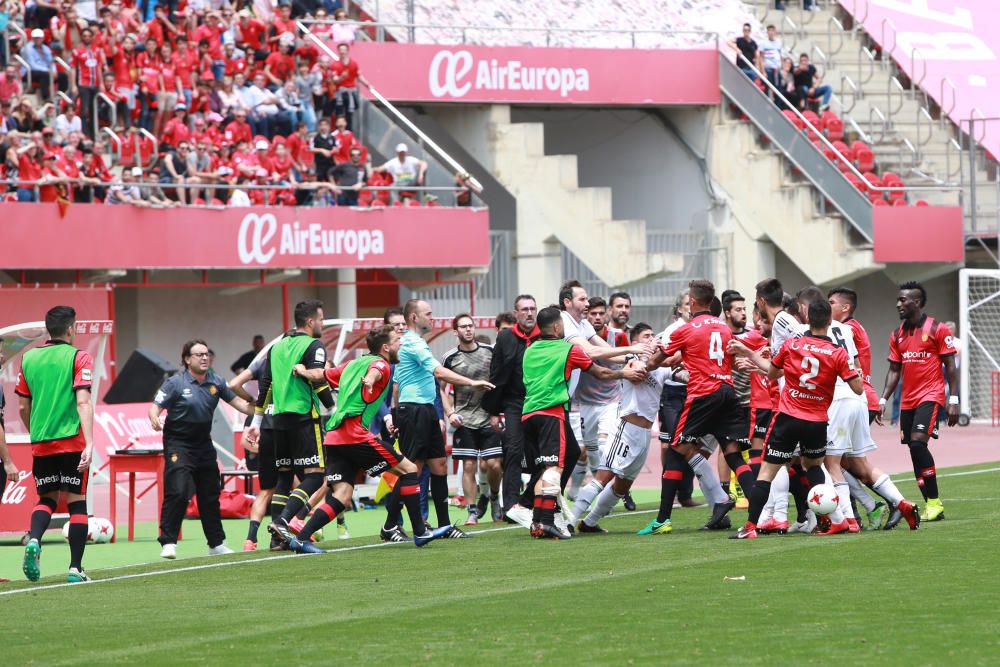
x: 295, y: 402
x: 548, y: 367
x: 54, y: 402
x: 351, y: 449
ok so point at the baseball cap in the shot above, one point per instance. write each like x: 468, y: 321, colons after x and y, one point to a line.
x: 180, y: 107
x: 261, y: 145
x: 48, y: 130
x: 137, y: 171
x: 401, y: 148
x: 37, y: 33
x: 214, y: 117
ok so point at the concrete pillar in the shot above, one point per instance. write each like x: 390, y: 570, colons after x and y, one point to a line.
x: 347, y: 294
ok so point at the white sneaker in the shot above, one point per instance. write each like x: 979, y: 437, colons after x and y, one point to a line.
x: 220, y: 550
x: 169, y: 551
x: 520, y: 515
x: 806, y: 526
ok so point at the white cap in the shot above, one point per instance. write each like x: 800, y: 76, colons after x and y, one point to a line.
x: 37, y: 33
x: 401, y: 148
x: 137, y: 171
x: 261, y: 145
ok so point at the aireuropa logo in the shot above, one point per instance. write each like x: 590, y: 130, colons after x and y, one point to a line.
x: 450, y: 70
x: 261, y: 237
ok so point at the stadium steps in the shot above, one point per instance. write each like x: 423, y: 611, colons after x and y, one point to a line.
x: 771, y: 203
x: 551, y: 206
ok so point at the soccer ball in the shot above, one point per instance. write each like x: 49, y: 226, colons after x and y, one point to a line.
x: 823, y: 499
x: 99, y: 531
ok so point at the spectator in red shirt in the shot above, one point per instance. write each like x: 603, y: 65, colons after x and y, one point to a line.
x: 211, y: 31
x: 186, y: 64
x: 29, y: 168
x: 10, y: 84
x: 239, y: 129
x: 148, y: 70
x: 53, y: 181
x: 236, y: 62
x: 345, y: 141
x: 110, y: 89
x: 346, y: 76
x: 250, y: 33
x: 299, y: 148
x: 88, y: 63
x: 160, y: 28
x: 170, y: 86
x: 126, y: 74
x: 279, y: 66
x: 95, y: 168
x: 177, y: 130
x: 283, y: 23
x: 214, y: 134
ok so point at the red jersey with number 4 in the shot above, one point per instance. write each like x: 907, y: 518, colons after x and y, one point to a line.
x: 919, y: 350
x: 760, y: 394
x: 702, y: 343
x: 351, y: 432
x: 812, y: 365
x: 864, y: 346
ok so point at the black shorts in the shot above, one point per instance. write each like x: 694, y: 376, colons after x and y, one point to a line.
x: 476, y: 443
x: 718, y: 414
x: 787, y: 432
x: 420, y: 436
x: 267, y: 471
x: 671, y: 406
x: 344, y: 462
x: 760, y: 419
x: 300, y: 446
x: 58, y: 472
x: 922, y: 419
x: 549, y: 441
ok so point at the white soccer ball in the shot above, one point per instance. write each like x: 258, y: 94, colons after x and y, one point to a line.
x: 99, y: 531
x: 823, y: 499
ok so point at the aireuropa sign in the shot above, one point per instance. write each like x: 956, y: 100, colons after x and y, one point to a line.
x: 93, y: 236
x: 532, y: 75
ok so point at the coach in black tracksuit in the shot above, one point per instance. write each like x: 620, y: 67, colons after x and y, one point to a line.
x: 190, y: 399
x: 508, y: 397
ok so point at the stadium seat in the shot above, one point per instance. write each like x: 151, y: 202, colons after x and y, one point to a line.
x: 878, y: 202
x: 864, y: 159
x: 891, y: 178
x: 793, y: 119
x: 857, y: 182
x: 899, y: 202
x: 834, y: 128
x: 921, y: 202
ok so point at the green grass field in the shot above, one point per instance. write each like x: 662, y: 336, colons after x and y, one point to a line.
x: 901, y: 598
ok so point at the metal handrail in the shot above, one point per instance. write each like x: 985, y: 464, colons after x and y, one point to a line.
x: 949, y: 147
x: 895, y: 83
x: 223, y: 185
x: 832, y: 21
x: 794, y: 31
x: 62, y: 63
x: 156, y: 146
x: 915, y: 82
x: 892, y: 24
x: 467, y: 178
x: 821, y: 56
x: 101, y: 97
x: 826, y: 142
x: 865, y: 52
x: 858, y: 22
x: 914, y: 155
x: 24, y: 64
x: 874, y: 110
x: 115, y: 140
x: 923, y: 113
x: 954, y: 96
x: 855, y: 93
x: 64, y: 97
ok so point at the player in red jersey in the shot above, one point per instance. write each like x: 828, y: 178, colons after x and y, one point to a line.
x: 811, y: 365
x: 917, y: 349
x: 711, y: 408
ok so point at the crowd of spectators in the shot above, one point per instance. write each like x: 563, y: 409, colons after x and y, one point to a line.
x: 800, y: 84
x: 202, y: 95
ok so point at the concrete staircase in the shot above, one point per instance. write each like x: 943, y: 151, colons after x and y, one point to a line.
x: 771, y: 206
x: 879, y: 106
x: 552, y: 208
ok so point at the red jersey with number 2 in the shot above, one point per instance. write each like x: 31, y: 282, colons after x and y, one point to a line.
x: 812, y: 365
x: 702, y: 343
x: 920, y: 351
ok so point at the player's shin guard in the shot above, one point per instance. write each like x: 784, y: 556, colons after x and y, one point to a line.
x: 858, y: 492
x: 743, y: 472
x: 439, y: 493
x: 887, y: 489
x: 779, y: 495
x: 281, y: 490
x: 41, y: 517
x: 325, y: 512
x: 843, y: 500
x: 605, y: 502
x: 707, y: 480
x: 408, y: 486
x: 299, y: 498
x: 78, y: 529
x: 586, y: 496
x: 758, y: 498
x: 673, y: 473
x: 923, y: 469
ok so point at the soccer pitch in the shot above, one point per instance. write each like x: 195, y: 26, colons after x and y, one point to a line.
x: 927, y: 597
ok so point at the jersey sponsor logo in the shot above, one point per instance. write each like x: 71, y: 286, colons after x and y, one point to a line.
x: 16, y: 491
x: 378, y: 468
x: 86, y: 375
x: 547, y: 459
x: 212, y: 389
x: 916, y: 355
x: 334, y: 478
x: 796, y: 393
x: 449, y: 76
x: 809, y: 347
x: 260, y: 238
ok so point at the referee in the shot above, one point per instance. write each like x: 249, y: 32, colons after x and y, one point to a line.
x: 190, y: 398
x: 420, y: 436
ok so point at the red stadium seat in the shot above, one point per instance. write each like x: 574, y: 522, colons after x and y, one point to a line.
x: 921, y: 202
x: 812, y: 117
x: 793, y: 119
x: 879, y: 202
x: 857, y: 182
x: 834, y: 128
x: 856, y: 145
x: 899, y: 202
x: 864, y: 159
x: 891, y: 178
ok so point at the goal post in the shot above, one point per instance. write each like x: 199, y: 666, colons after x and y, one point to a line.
x: 979, y: 331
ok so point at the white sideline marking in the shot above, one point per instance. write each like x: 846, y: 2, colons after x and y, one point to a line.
x: 208, y: 566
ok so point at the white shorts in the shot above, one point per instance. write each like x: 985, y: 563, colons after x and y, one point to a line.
x: 596, y: 419
x: 625, y: 453
x: 847, y: 432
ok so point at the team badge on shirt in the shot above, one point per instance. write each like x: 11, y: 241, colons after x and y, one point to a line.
x: 213, y: 390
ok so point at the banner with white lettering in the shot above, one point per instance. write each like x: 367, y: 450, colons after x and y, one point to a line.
x: 94, y: 236
x: 531, y: 75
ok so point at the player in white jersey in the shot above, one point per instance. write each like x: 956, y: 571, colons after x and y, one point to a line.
x: 623, y: 459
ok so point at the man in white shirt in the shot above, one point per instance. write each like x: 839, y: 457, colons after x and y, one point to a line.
x: 405, y: 169
x: 772, y: 49
x: 67, y: 122
x: 263, y: 106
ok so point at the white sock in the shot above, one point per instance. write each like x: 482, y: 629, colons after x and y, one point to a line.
x: 707, y: 480
x: 844, y: 502
x: 605, y: 502
x: 885, y: 488
x: 594, y: 455
x: 779, y: 495
x: 584, y: 498
x: 484, y: 485
x: 576, y: 480
x: 858, y: 492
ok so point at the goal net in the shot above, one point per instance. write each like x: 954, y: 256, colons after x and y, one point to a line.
x: 979, y: 332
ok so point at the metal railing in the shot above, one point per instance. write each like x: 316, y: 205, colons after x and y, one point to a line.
x: 98, y: 99
x: 116, y: 141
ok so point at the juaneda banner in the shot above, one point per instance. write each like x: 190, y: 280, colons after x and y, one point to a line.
x: 532, y: 75
x: 94, y: 236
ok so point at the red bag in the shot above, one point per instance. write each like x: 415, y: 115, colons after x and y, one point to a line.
x: 232, y: 505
